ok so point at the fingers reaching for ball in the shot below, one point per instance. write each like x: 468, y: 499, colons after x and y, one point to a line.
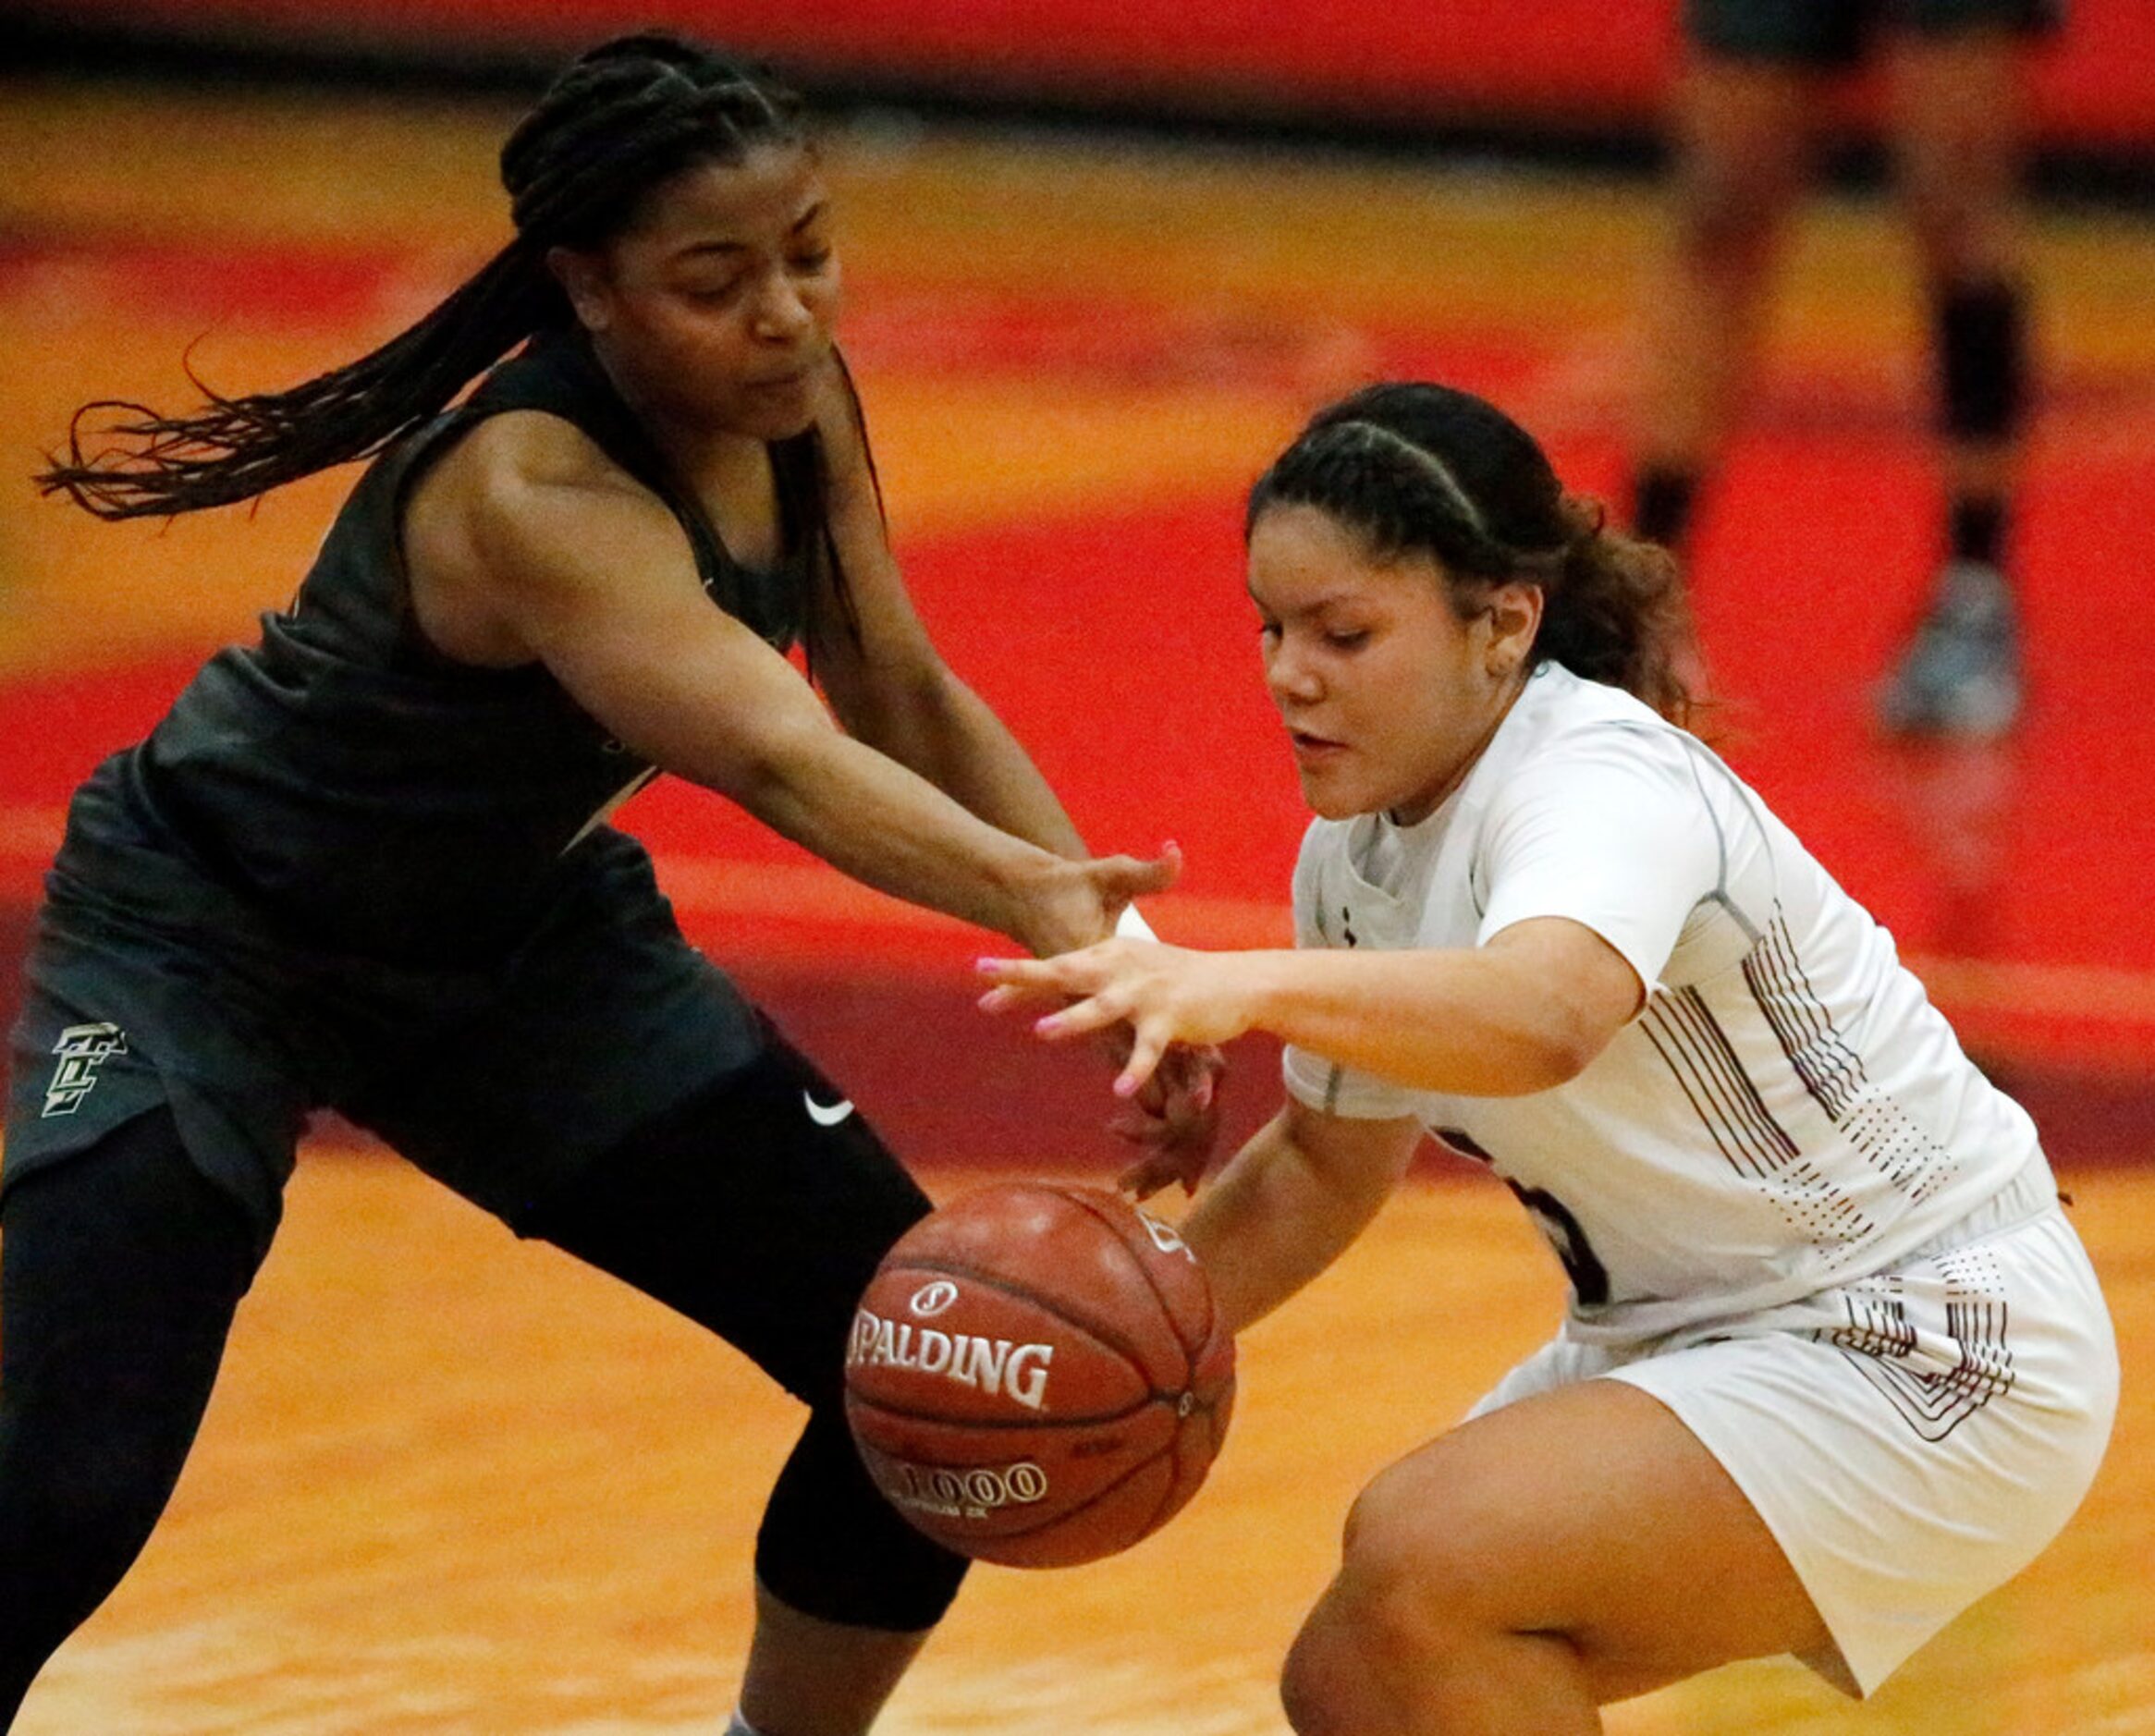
x: 1174, y: 1121
x: 1167, y: 996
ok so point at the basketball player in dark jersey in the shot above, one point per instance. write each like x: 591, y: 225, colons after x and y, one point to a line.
x: 365, y: 864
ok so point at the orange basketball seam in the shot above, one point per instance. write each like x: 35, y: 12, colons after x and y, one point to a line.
x: 1166, y: 1309
x: 1031, y: 1425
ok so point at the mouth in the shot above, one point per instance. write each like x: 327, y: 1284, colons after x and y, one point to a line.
x: 801, y: 373
x: 1308, y: 747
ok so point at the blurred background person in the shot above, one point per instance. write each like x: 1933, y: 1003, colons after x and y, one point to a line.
x: 1748, y: 108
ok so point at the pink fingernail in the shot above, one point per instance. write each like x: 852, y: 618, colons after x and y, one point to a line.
x: 1046, y: 1025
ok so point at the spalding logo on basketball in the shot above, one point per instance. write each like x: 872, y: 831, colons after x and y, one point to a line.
x: 1037, y: 1375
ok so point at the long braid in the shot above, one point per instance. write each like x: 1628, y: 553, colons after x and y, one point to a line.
x: 621, y: 119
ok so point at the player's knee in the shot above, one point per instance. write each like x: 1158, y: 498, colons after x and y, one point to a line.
x: 1322, y: 1673
x: 1727, y: 216
x: 832, y: 1548
x: 1372, y: 1626
x: 1415, y: 1542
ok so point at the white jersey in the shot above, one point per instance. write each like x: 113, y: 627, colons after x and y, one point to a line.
x: 1788, y: 1111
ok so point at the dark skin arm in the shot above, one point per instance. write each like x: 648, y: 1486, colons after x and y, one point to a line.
x: 526, y: 544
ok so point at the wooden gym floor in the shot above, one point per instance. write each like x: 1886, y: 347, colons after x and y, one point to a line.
x: 452, y: 1484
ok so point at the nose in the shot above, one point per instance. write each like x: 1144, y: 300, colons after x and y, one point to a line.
x: 1288, y: 675
x: 781, y: 312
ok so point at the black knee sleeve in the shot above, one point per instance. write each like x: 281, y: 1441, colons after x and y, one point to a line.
x: 1982, y: 362
x: 832, y: 1547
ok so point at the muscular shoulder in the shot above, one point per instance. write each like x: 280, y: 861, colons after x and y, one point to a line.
x: 517, y: 503
x: 511, y: 461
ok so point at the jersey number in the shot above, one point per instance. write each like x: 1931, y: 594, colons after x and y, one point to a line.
x: 1582, y: 1265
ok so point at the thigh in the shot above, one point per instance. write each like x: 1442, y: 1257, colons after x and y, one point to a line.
x: 511, y: 1088
x: 111, y: 1032
x: 1744, y: 138
x: 1960, y: 120
x: 759, y: 1208
x: 127, y: 1242
x: 120, y: 1271
x: 1590, y: 1511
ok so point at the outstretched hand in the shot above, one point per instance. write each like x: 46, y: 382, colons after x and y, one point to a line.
x: 1081, y: 897
x: 1174, y: 1118
x: 1168, y: 995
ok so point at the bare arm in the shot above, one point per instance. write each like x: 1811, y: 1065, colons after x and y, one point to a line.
x: 891, y: 688
x: 1290, y: 1202
x: 592, y: 575
x: 1525, y: 1012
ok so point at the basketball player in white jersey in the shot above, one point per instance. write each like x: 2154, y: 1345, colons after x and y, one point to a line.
x: 1834, y: 1364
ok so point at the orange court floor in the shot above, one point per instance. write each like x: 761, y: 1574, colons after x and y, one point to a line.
x: 451, y: 1484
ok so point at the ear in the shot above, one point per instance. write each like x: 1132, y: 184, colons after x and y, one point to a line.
x: 1514, y: 618
x: 583, y: 279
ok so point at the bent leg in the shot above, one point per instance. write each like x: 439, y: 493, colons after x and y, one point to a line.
x: 121, y: 1270
x: 754, y: 1219
x: 1537, y: 1562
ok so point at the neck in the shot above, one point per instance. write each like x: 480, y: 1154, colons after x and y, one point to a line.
x: 728, y: 472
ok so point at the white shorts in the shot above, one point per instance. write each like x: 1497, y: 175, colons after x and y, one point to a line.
x: 1912, y: 1440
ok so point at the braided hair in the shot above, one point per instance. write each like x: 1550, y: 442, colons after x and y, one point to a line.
x: 621, y: 119
x: 1428, y: 470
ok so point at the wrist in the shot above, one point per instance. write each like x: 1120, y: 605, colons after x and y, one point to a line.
x: 1052, y: 909
x: 1262, y: 988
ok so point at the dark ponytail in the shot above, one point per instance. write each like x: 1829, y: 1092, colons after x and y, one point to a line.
x: 1420, y: 469
x: 618, y: 122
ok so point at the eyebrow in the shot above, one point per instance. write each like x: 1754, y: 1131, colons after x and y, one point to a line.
x: 699, y: 249
x: 1331, y: 600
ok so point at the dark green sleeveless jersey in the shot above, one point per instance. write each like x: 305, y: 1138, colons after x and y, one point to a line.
x: 374, y: 796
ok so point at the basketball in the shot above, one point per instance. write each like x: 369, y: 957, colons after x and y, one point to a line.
x: 1037, y: 1376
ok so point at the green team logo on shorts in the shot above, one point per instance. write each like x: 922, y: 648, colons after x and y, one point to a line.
x: 82, y: 1048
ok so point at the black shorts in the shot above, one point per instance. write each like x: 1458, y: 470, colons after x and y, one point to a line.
x: 150, y: 985
x: 1831, y: 34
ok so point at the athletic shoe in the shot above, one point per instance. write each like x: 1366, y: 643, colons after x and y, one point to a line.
x: 1961, y: 673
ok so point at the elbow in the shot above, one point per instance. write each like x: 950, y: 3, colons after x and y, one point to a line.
x: 765, y: 770
x: 1554, y: 1055
x: 904, y: 714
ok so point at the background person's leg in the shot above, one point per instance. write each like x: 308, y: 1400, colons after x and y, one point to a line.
x: 1743, y: 155
x: 1958, y: 118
